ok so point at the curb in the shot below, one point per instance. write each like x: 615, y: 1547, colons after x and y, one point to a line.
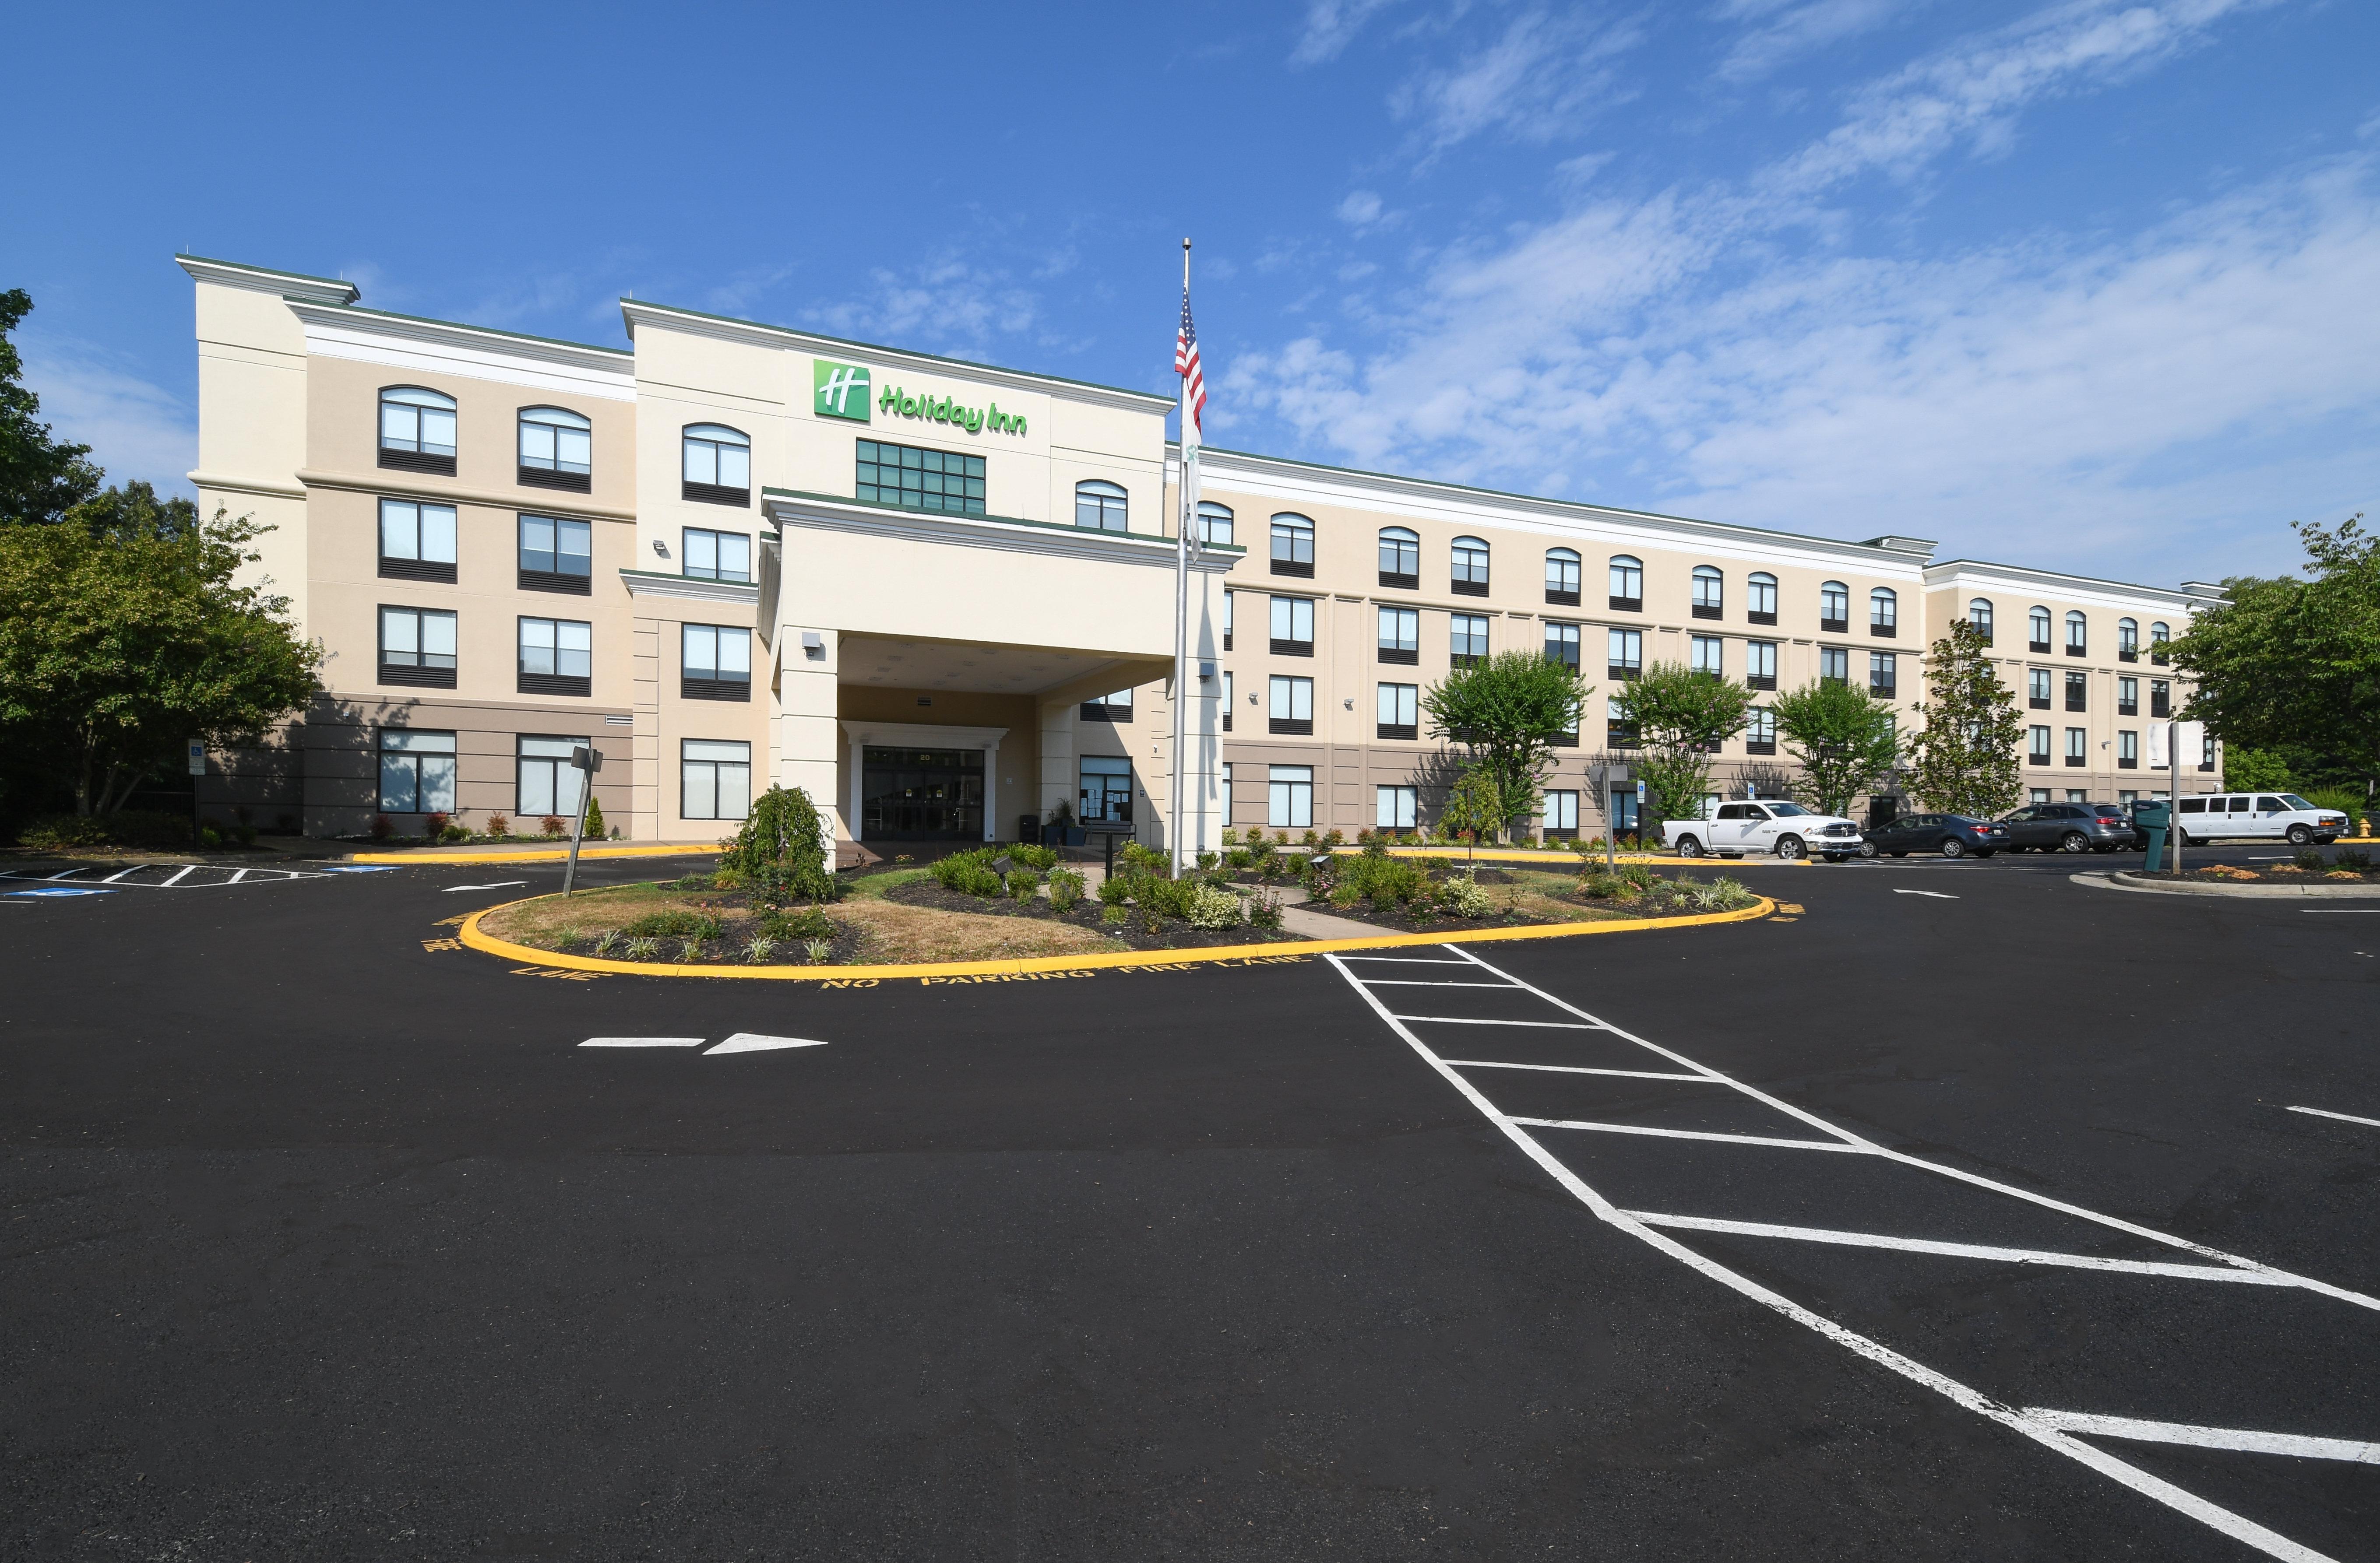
x: 2124, y: 880
x: 1227, y: 955
x: 538, y: 854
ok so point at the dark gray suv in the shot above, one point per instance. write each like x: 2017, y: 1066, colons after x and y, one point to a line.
x: 2071, y: 826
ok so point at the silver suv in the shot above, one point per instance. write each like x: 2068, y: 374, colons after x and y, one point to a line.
x: 2071, y: 827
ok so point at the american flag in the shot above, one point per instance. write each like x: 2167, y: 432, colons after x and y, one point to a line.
x: 1186, y: 364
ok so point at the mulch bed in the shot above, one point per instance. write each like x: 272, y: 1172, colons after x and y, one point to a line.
x: 1087, y: 913
x: 2282, y: 874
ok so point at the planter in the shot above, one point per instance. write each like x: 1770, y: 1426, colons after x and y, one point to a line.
x: 2244, y: 893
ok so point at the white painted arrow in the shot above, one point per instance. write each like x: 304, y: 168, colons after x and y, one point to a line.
x: 1936, y: 894
x: 746, y: 1042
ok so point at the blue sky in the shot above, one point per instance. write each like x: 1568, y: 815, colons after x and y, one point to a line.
x: 2086, y: 285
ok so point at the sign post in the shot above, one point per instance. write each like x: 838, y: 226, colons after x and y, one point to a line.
x: 198, y: 763
x: 587, y: 761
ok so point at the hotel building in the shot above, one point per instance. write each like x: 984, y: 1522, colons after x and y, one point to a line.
x: 938, y: 596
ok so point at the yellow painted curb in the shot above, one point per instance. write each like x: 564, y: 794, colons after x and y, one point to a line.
x: 930, y: 971
x: 538, y: 854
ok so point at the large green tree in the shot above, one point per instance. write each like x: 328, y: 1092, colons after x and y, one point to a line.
x: 1509, y: 713
x: 40, y: 480
x: 2295, y: 662
x: 1844, y: 740
x: 1681, y: 715
x: 118, y: 645
x: 1964, y: 759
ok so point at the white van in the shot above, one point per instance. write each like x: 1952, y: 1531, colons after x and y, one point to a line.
x: 2258, y: 817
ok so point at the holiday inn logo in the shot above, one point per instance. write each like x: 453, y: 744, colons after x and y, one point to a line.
x: 842, y: 390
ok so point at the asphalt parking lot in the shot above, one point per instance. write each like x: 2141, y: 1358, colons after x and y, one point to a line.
x: 331, y: 1239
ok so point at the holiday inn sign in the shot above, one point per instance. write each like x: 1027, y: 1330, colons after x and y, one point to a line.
x: 842, y: 390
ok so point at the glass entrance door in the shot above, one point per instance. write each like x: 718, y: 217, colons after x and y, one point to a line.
x: 1106, y: 795
x: 922, y: 795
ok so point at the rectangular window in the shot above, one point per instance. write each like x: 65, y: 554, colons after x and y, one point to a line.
x: 1709, y: 655
x: 417, y: 541
x: 1227, y: 702
x: 1227, y: 619
x: 1834, y: 665
x: 2037, y: 794
x: 1467, y: 645
x: 1399, y: 635
x: 546, y: 783
x: 1618, y: 727
x: 2076, y: 745
x: 1561, y: 815
x: 1291, y: 801
x: 557, y: 555
x: 417, y: 647
x: 1760, y: 731
x: 557, y: 657
x: 1292, y: 545
x: 1396, y: 808
x: 1292, y: 705
x: 2077, y: 688
x: 1623, y: 810
x: 2037, y: 689
x: 2127, y: 697
x: 1561, y: 645
x: 1625, y: 656
x: 1223, y: 790
x: 2206, y: 753
x: 1292, y: 627
x: 918, y: 479
x: 1115, y: 707
x: 1883, y: 675
x: 2128, y: 749
x: 2160, y: 698
x: 714, y: 778
x: 2076, y: 795
x: 417, y: 771
x: 717, y: 556
x: 2037, y: 745
x: 2127, y: 799
x: 1399, y: 710
x: 716, y: 665
x: 1760, y: 664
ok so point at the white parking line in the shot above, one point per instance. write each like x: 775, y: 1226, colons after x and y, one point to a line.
x: 177, y: 878
x: 1422, y: 982
x: 1691, y: 1135
x: 644, y: 1042
x: 2210, y: 1437
x: 1955, y: 1250
x: 1578, y: 1069
x: 504, y: 884
x: 1936, y: 894
x: 2346, y: 1117
x: 1466, y: 1020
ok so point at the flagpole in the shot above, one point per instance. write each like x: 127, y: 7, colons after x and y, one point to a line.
x: 1184, y: 518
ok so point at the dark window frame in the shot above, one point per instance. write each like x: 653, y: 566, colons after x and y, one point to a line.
x: 416, y: 674
x: 568, y: 583
x: 1277, y: 534
x: 530, y: 475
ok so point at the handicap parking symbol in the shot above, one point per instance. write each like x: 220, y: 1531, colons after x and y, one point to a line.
x: 63, y: 889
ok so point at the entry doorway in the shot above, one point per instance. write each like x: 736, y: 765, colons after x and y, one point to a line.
x: 921, y: 795
x: 1106, y: 793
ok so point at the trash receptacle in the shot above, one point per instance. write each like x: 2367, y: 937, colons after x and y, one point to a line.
x: 2155, y: 862
x: 1028, y: 830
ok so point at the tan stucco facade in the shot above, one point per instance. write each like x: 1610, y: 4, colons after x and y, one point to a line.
x: 994, y: 639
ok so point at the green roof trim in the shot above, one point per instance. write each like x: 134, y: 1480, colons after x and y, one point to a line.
x: 266, y: 271
x: 1005, y: 520
x: 902, y: 352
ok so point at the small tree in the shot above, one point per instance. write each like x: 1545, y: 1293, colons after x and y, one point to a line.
x: 1681, y: 715
x: 1509, y: 713
x: 1964, y: 760
x: 783, y: 844
x: 1844, y: 740
x: 1476, y: 807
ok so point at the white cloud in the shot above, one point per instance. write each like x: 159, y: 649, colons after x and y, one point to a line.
x: 1536, y: 81
x: 1780, y: 38
x: 134, y: 426
x: 1361, y: 207
x: 1330, y: 25
x: 951, y: 306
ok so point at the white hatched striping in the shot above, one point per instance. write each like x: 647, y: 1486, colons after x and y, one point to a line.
x: 1690, y: 1134
x: 1580, y: 1069
x: 1954, y: 1250
x: 1469, y: 1020
x: 1422, y: 982
x: 2056, y: 1430
x: 2240, y: 1438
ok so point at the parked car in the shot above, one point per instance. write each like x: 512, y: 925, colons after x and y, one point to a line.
x: 2102, y: 827
x: 1953, y: 835
x: 1786, y: 828
x: 2255, y: 816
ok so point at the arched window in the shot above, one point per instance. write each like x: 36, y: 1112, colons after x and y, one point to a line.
x: 2036, y: 629
x: 1292, y: 545
x: 1470, y: 567
x: 1627, y: 583
x: 1883, y: 611
x: 1214, y: 522
x: 2128, y: 640
x: 416, y: 429
x: 718, y: 467
x: 2078, y: 634
x: 1979, y: 613
x: 557, y: 449
x: 1100, y: 506
x: 1401, y: 558
x: 1562, y: 577
x: 1760, y: 598
x: 1835, y: 608
x: 1710, y: 592
x: 2158, y: 636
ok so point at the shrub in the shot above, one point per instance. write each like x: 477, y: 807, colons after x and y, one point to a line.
x: 672, y: 924
x: 1466, y: 897
x: 433, y: 827
x: 691, y: 951
x: 453, y: 832
x: 1264, y: 910
x: 643, y: 949
x: 1144, y: 860
x: 759, y: 948
x: 1039, y: 858
x: 1385, y: 881
x: 383, y: 828
x: 1065, y: 888
x: 607, y: 941
x: 1334, y: 838
x: 2355, y: 858
x: 1238, y: 858
x: 1231, y: 837
x: 595, y: 819
x: 819, y: 951
x: 2309, y: 859
x: 550, y: 824
x: 1213, y: 908
x: 1112, y: 912
x: 969, y: 873
x: 1022, y: 883
x: 785, y: 840
x: 137, y: 827
x: 807, y: 924
x: 1113, y: 890
x: 500, y: 825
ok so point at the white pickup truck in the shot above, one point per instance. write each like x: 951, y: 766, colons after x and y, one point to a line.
x: 1788, y: 830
